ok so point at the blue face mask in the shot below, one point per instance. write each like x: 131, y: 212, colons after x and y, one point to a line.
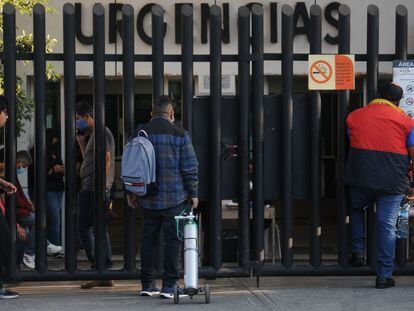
x: 20, y: 171
x: 82, y: 125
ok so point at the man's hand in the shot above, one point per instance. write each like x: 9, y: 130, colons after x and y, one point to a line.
x: 410, y: 194
x: 193, y: 202
x: 8, y: 187
x: 21, y: 233
x: 132, y: 200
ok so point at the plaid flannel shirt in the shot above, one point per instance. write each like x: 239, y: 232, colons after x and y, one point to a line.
x: 176, y: 165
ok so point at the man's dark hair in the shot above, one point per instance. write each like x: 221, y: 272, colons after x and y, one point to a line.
x: 3, y: 103
x: 24, y: 155
x: 160, y: 104
x: 391, y: 92
x: 83, y: 108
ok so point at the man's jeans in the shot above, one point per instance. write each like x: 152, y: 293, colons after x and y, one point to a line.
x: 54, y: 206
x: 86, y: 217
x: 152, y: 220
x: 387, y: 206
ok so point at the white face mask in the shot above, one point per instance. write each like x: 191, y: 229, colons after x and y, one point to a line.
x: 21, y: 171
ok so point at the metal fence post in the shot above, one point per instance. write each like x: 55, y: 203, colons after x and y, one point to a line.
x: 372, y: 84
x: 9, y: 36
x: 100, y: 134
x: 287, y: 134
x: 70, y: 142
x: 128, y: 66
x: 401, y: 28
x: 315, y: 126
x: 215, y: 134
x: 157, y: 51
x: 40, y: 134
x: 258, y: 128
x: 244, y: 103
x: 187, y: 65
x: 344, y: 45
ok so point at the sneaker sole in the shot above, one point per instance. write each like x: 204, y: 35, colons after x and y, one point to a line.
x: 171, y: 296
x: 9, y: 297
x: 148, y: 294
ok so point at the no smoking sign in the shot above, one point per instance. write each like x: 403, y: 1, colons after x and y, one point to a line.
x: 331, y: 72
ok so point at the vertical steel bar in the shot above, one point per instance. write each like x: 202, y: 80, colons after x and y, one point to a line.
x: 99, y: 132
x: 187, y: 65
x: 401, y: 28
x: 9, y: 39
x: 258, y: 128
x: 70, y: 142
x: 244, y: 94
x: 128, y: 97
x: 287, y: 134
x: 315, y: 127
x: 40, y: 134
x: 372, y: 84
x: 344, y: 47
x: 215, y: 136
x: 157, y: 51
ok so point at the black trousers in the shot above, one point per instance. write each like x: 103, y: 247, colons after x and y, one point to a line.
x: 4, y: 246
x: 152, y: 220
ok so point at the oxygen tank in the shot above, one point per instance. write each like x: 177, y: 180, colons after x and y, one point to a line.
x: 191, y: 256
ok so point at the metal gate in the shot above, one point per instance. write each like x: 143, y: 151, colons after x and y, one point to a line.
x: 284, y: 131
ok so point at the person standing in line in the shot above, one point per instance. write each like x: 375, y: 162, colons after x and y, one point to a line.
x: 5, y: 237
x: 382, y: 145
x: 86, y: 207
x: 177, y: 191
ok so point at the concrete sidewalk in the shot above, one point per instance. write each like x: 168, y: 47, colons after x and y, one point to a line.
x: 284, y: 293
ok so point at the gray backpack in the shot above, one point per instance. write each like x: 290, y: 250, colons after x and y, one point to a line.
x: 138, y: 166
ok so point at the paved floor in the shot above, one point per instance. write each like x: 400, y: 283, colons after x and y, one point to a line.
x: 284, y: 293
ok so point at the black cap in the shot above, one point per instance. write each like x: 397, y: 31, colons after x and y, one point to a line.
x: 83, y: 108
x: 391, y: 92
x: 3, y: 103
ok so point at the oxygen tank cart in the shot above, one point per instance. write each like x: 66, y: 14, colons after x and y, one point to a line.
x: 190, y: 237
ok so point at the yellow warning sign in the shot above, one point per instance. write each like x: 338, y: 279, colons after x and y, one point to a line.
x: 331, y: 72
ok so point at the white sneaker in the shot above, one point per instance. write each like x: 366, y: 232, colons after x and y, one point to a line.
x: 53, y: 249
x: 29, y: 261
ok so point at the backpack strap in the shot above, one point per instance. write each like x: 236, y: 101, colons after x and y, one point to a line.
x: 142, y: 131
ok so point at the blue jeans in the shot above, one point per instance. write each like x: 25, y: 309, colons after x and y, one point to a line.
x: 152, y: 220
x: 387, y: 206
x: 54, y: 206
x: 86, y: 218
x: 29, y: 222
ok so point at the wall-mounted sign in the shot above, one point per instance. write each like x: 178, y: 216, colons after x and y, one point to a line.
x: 331, y: 72
x: 403, y: 75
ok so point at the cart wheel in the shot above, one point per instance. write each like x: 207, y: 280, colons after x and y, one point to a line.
x: 207, y: 293
x: 176, y: 294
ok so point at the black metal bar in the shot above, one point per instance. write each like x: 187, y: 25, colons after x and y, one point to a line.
x: 187, y: 65
x: 372, y: 84
x: 40, y: 134
x: 172, y: 58
x: 401, y: 21
x: 9, y: 36
x: 99, y: 132
x: 287, y: 134
x: 157, y: 51
x: 315, y: 128
x: 244, y: 94
x: 128, y: 97
x: 258, y: 128
x: 215, y: 216
x: 70, y: 142
x: 344, y: 47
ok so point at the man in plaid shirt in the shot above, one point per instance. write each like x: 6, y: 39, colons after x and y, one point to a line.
x: 177, y: 190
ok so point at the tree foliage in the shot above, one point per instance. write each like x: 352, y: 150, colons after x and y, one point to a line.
x: 24, y: 45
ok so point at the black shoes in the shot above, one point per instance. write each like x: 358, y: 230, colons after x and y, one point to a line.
x: 357, y: 259
x: 384, y: 282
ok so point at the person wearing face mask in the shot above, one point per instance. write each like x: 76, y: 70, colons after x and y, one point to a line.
x: 54, y: 186
x: 86, y: 206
